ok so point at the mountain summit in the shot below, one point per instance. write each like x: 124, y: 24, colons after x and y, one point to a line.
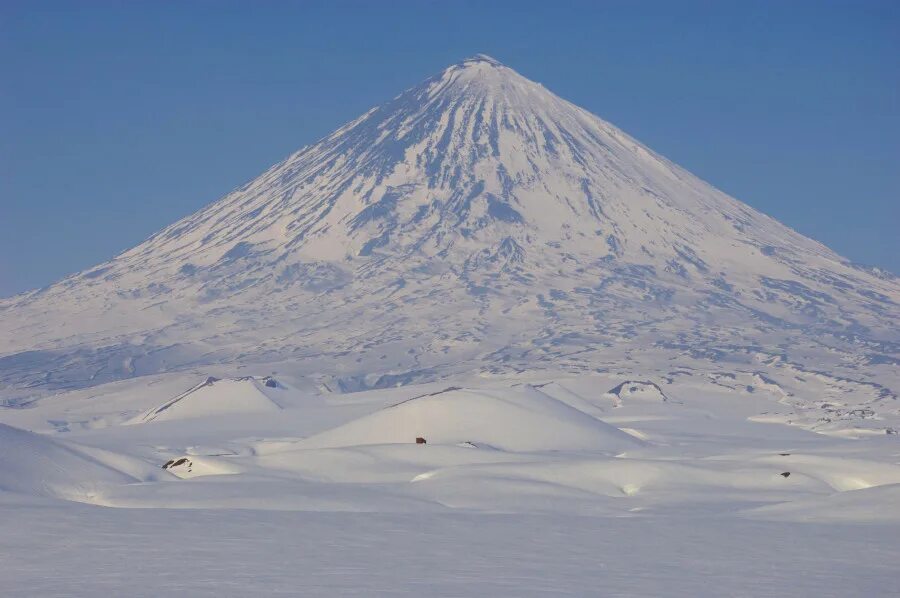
x: 476, y: 224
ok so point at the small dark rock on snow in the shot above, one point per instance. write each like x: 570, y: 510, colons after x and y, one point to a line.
x: 176, y: 462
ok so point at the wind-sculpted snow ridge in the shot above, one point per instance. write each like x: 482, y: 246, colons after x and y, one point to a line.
x: 32, y: 464
x: 476, y: 224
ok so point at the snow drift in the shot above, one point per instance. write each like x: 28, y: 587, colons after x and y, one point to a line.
x: 36, y: 465
x: 520, y: 419
x: 213, y: 397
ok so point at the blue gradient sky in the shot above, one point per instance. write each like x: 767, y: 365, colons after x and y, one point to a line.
x: 119, y: 118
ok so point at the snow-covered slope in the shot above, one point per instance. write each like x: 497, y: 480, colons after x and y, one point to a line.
x: 35, y: 465
x: 213, y: 397
x: 521, y: 420
x: 577, y: 474
x: 476, y: 224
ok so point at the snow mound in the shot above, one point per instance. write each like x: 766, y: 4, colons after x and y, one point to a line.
x: 36, y: 465
x: 214, y: 397
x: 515, y: 419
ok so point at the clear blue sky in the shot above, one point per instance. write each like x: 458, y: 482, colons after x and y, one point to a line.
x: 118, y: 118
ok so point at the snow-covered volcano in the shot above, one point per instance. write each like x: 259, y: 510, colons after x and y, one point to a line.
x: 476, y: 224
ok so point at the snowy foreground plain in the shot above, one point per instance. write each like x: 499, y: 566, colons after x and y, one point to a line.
x: 575, y: 486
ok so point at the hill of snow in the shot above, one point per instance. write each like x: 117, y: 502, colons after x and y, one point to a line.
x: 567, y: 445
x: 523, y: 419
x: 544, y: 473
x: 214, y: 397
x: 35, y: 465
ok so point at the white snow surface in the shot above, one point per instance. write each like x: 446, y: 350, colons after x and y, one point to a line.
x: 525, y: 487
x: 628, y: 383
x: 35, y: 465
x: 521, y: 419
x: 244, y: 395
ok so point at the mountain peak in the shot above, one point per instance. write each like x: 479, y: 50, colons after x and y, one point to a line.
x: 481, y: 73
x: 475, y: 221
x: 482, y: 58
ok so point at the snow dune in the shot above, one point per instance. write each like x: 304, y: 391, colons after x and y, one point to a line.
x: 500, y: 456
x: 517, y: 419
x: 213, y: 397
x: 36, y: 465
